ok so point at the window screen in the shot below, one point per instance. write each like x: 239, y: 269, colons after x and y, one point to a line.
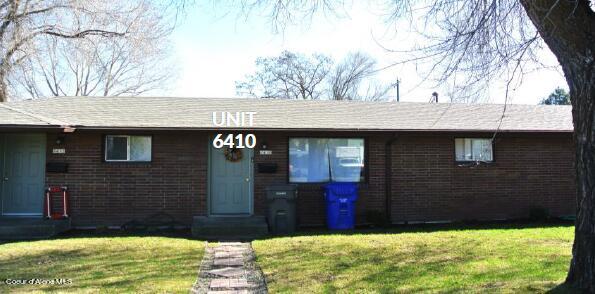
x: 127, y: 148
x: 140, y: 148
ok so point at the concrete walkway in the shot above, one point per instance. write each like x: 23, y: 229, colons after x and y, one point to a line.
x: 229, y: 267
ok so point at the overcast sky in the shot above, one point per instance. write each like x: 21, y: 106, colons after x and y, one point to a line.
x: 214, y: 48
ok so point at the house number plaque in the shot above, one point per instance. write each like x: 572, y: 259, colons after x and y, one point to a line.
x: 58, y: 151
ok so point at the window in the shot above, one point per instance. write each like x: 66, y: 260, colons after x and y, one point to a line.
x: 469, y: 149
x: 316, y: 160
x: 128, y: 148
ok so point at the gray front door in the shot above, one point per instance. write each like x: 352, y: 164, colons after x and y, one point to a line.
x: 23, y: 173
x: 230, y: 186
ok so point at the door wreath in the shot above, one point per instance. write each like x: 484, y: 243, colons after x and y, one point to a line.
x: 233, y: 154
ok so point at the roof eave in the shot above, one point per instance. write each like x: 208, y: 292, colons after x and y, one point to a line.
x: 17, y: 127
x: 136, y: 128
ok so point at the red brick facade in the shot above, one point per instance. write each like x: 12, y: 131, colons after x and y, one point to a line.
x: 103, y: 193
x: 529, y: 171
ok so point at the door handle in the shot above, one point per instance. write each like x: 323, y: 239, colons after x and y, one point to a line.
x: 6, y: 178
x: 247, y: 179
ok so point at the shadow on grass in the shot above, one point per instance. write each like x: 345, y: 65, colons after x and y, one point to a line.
x: 564, y: 289
x: 429, y: 228
x: 319, y: 231
x: 179, y: 234
x: 115, y: 233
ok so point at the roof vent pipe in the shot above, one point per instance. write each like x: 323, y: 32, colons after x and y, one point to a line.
x: 434, y: 98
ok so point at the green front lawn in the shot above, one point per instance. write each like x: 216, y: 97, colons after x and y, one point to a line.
x: 103, y: 264
x: 507, y: 259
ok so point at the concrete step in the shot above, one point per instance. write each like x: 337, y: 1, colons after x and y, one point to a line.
x: 218, y: 220
x: 31, y: 228
x: 240, y: 228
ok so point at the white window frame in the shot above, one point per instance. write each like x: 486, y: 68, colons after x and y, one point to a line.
x: 471, y: 141
x: 127, y: 148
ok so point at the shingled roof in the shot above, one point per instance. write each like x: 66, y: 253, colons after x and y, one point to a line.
x: 10, y: 116
x: 196, y: 113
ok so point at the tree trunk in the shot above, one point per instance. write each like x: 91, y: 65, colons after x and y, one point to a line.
x: 3, y: 89
x: 582, y: 93
x: 568, y: 28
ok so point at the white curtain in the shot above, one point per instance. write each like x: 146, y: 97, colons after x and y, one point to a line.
x: 469, y: 149
x: 308, y: 159
x: 318, y: 160
x: 346, y: 159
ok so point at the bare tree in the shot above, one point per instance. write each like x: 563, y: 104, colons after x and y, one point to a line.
x: 25, y: 24
x: 295, y: 76
x: 347, y: 77
x: 474, y: 42
x: 376, y: 91
x: 288, y: 76
x: 128, y: 65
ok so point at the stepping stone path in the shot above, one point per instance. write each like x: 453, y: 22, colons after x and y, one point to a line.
x: 229, y: 267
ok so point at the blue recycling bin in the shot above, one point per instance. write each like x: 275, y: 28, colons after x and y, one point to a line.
x: 340, y: 205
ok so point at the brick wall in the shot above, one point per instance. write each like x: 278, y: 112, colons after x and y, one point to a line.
x: 310, y: 204
x: 114, y: 193
x: 530, y: 170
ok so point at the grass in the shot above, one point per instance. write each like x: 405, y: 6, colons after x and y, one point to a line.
x: 506, y: 259
x: 103, y: 264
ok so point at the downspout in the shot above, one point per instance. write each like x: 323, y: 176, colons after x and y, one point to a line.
x: 388, y: 174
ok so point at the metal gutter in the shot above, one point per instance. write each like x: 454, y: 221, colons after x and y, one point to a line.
x: 312, y: 129
x: 51, y: 127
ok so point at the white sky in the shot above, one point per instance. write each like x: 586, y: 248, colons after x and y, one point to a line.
x: 213, y: 49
